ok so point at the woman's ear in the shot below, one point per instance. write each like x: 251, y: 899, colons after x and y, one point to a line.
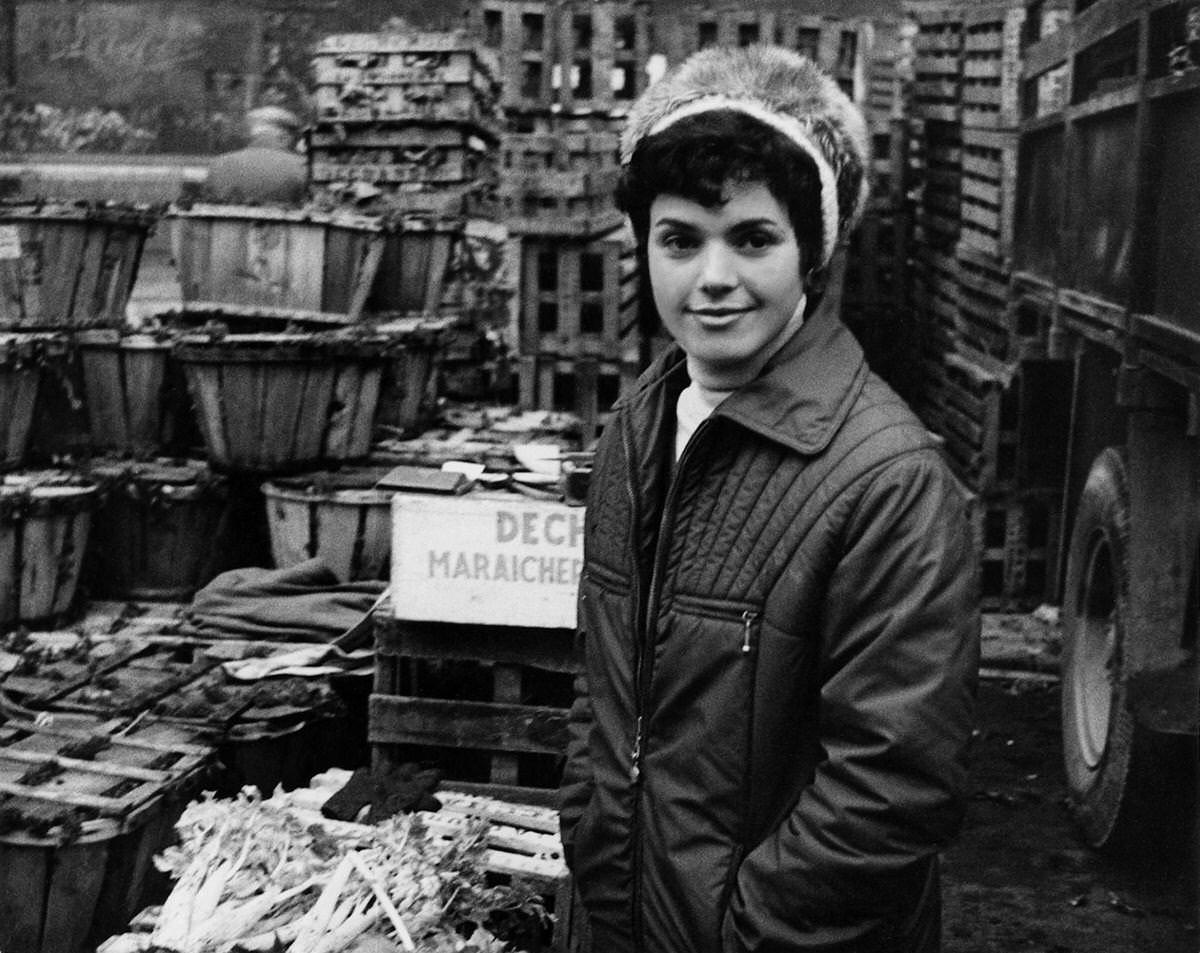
x: 815, y: 284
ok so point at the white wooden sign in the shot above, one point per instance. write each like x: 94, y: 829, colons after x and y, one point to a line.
x: 10, y: 242
x: 486, y: 559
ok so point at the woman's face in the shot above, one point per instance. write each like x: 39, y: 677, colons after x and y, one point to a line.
x: 726, y: 279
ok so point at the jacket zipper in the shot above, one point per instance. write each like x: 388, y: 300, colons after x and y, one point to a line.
x: 643, y: 669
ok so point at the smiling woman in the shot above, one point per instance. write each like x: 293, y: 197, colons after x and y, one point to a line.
x: 777, y: 609
x: 727, y: 281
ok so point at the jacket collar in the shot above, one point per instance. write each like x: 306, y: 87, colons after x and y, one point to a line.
x: 803, y: 395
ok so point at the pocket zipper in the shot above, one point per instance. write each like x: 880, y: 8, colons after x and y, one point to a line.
x: 748, y: 618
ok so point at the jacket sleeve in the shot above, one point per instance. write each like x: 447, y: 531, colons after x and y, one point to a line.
x: 576, y: 786
x: 898, y: 662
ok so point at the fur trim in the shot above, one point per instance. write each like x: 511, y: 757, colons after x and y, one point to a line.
x: 785, y: 91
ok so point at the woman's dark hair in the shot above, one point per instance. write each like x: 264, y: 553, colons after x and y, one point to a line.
x: 699, y: 155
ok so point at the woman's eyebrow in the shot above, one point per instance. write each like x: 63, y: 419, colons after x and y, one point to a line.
x: 757, y: 223
x: 674, y: 223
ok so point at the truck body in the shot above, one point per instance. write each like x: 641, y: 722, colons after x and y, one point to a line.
x: 1107, y: 257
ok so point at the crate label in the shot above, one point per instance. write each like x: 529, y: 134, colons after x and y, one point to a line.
x: 10, y: 242
x: 483, y: 560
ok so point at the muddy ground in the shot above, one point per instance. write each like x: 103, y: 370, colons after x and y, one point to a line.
x: 1020, y: 880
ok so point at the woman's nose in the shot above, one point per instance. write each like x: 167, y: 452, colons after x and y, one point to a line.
x: 718, y: 273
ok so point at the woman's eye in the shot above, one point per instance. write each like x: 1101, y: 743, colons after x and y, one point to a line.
x: 757, y: 241
x: 677, y: 242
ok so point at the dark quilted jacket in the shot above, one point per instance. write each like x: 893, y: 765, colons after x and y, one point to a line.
x: 784, y: 675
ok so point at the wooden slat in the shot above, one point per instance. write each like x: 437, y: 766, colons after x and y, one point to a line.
x: 402, y: 719
x: 143, y: 379
x: 305, y: 270
x: 23, y: 887
x: 548, y: 649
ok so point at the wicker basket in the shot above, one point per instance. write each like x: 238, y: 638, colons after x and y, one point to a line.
x: 152, y: 536
x: 107, y: 804
x: 69, y: 266
x: 22, y: 359
x: 133, y: 391
x: 45, y: 519
x: 279, y: 402
x: 338, y: 516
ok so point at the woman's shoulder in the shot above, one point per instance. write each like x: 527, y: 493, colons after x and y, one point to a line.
x: 882, y: 427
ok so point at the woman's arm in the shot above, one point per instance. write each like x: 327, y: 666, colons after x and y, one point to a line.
x: 899, y: 658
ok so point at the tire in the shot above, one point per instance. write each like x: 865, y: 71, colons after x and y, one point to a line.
x: 1121, y: 777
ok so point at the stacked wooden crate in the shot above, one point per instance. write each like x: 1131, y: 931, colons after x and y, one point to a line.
x: 976, y: 332
x: 409, y: 123
x: 569, y: 72
x: 874, y: 302
x: 410, y: 115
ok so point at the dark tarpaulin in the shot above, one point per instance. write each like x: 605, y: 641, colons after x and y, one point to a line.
x: 302, y: 603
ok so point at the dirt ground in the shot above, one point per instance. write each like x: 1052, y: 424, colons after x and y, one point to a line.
x: 1019, y: 879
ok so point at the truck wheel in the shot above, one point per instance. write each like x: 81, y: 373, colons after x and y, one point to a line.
x: 1101, y: 739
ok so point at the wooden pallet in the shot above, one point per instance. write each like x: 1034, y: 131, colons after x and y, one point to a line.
x: 992, y: 65
x: 876, y: 261
x: 487, y: 703
x: 572, y: 55
x: 983, y: 303
x: 578, y: 299
x: 585, y: 386
x: 560, y: 151
x: 989, y: 183
x: 938, y: 47
x: 1017, y: 539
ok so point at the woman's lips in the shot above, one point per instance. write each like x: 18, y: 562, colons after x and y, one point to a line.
x: 717, y: 317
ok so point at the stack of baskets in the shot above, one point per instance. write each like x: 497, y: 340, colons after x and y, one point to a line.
x: 66, y: 271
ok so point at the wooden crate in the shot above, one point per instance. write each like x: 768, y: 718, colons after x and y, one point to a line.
x: 267, y: 731
x: 578, y: 299
x: 69, y: 266
x: 1017, y: 538
x: 571, y: 55
x: 296, y: 263
x: 558, y: 151
x: 406, y: 154
x: 585, y: 386
x: 107, y: 802
x: 938, y: 157
x: 937, y: 64
x: 603, y: 49
x: 487, y: 704
x: 991, y: 65
x: 978, y: 421
x: 418, y: 77
x: 876, y: 261
x: 552, y: 194
x: 989, y: 185
x: 983, y: 302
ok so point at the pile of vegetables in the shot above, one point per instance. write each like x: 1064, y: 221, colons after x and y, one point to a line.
x: 256, y: 875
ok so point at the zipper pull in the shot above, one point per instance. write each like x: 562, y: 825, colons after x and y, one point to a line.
x: 635, y: 769
x: 748, y: 618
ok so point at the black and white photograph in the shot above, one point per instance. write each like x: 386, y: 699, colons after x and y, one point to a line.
x: 599, y: 476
